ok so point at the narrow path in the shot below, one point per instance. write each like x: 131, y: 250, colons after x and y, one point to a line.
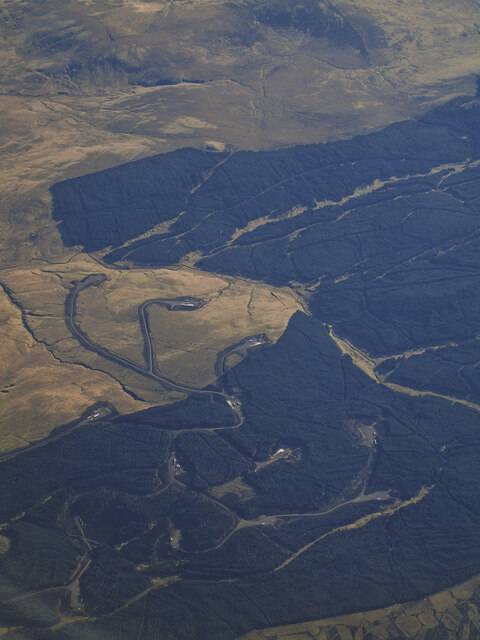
x: 271, y: 520
x: 368, y: 365
x: 175, y: 303
x: 358, y: 524
x: 102, y: 410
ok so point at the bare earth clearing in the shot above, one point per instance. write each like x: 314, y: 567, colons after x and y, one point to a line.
x: 48, y: 378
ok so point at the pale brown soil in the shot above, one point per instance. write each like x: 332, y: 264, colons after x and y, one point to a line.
x: 37, y: 391
x: 47, y: 378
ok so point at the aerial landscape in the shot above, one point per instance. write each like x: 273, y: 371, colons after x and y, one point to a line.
x: 239, y: 320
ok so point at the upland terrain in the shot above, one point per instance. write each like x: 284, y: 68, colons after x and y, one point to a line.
x: 239, y: 320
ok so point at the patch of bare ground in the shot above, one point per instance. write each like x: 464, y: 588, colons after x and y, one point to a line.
x: 4, y: 544
x: 237, y: 487
x: 38, y: 392
x: 40, y: 291
x: 287, y: 454
x: 49, y: 378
